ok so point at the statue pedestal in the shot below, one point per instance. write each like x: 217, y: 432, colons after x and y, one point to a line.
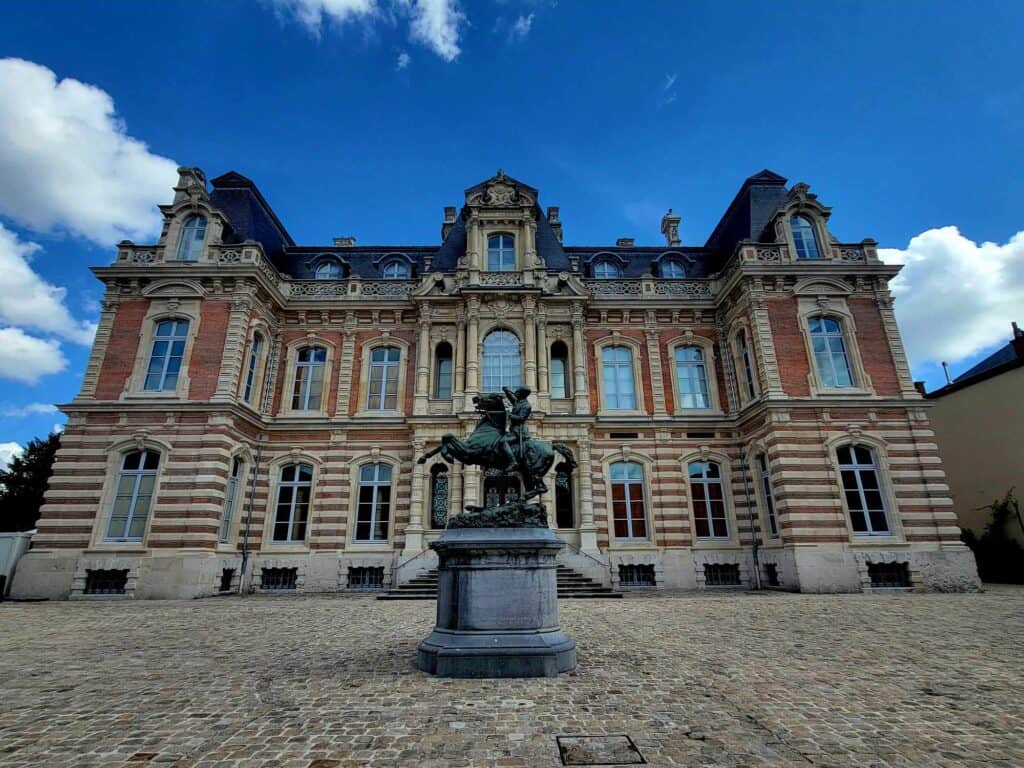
x: 497, y: 606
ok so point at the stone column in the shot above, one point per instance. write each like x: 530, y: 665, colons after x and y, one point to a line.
x: 422, y: 392
x: 588, y: 528
x: 767, y: 363
x: 470, y: 486
x: 414, y: 530
x: 459, y: 385
x: 99, y: 348
x: 654, y: 361
x: 581, y: 395
x: 543, y: 383
x: 473, y: 349
x: 530, y: 351
x: 892, y: 333
x: 234, y: 346
x: 455, y: 489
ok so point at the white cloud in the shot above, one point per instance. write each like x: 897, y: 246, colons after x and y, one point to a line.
x: 31, y: 409
x: 7, y: 452
x: 403, y: 60
x: 670, y: 80
x: 28, y: 301
x: 314, y: 13
x: 67, y: 162
x: 58, y: 428
x: 435, y: 23
x: 955, y: 297
x: 26, y: 358
x: 521, y: 28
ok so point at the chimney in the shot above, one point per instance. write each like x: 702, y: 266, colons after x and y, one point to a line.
x: 191, y: 185
x: 624, y: 242
x: 345, y: 242
x: 919, y: 386
x: 448, y: 223
x: 670, y: 229
x: 945, y: 370
x: 553, y: 220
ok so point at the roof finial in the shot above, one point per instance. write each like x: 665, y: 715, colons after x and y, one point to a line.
x: 501, y: 174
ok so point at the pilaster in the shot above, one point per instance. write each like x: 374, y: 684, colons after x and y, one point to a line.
x: 580, y: 392
x: 345, y: 365
x: 761, y: 328
x: 422, y: 393
x: 654, y: 365
x: 899, y: 355
x: 530, y: 352
x: 234, y: 346
x: 588, y: 529
x: 99, y: 348
x: 414, y: 530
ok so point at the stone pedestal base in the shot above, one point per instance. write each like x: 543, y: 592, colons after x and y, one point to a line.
x: 497, y: 606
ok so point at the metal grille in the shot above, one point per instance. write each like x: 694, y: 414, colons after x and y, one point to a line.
x: 279, y: 578
x: 106, y: 582
x: 636, y: 576
x: 226, y: 577
x: 366, y: 578
x: 721, y: 575
x: 889, y: 574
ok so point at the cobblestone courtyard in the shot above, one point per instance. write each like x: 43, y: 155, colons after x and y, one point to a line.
x: 319, y: 682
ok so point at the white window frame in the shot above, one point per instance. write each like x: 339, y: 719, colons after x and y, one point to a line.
x: 810, y: 225
x: 606, y: 269
x: 375, y: 483
x: 706, y: 482
x: 566, y: 371
x: 613, y: 399
x: 232, y: 497
x: 510, y: 371
x: 628, y: 483
x: 191, y: 250
x: 745, y: 364
x: 138, y: 475
x: 498, y: 256
x: 251, y: 383
x: 858, y: 469
x: 435, y: 389
x: 829, y: 337
x: 167, y: 356
x: 707, y: 347
x: 836, y: 308
x: 295, y: 485
x: 328, y: 269
x: 305, y: 383
x: 672, y: 264
x: 696, y: 373
x: 395, y: 269
x: 764, y: 477
x: 381, y: 371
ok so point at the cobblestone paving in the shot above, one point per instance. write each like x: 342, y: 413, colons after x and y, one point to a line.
x: 328, y: 682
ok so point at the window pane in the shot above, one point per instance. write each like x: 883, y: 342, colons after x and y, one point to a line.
x: 879, y: 523
x: 857, y: 521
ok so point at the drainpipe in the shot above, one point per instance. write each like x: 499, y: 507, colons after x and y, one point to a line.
x: 242, y: 590
x: 753, y: 530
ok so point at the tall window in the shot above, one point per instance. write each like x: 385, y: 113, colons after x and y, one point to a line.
x: 443, y: 371
x: 255, y: 350
x: 501, y: 253
x: 439, y: 490
x: 395, y: 270
x: 629, y: 514
x: 307, y: 394
x: 565, y: 509
x: 559, y: 371
x: 500, y: 488
x: 382, y: 392
x: 328, y: 270
x: 134, y: 496
x: 863, y: 492
x: 293, y: 492
x: 193, y: 235
x: 804, y: 238
x: 830, y: 352
x: 708, y: 500
x: 230, y: 500
x: 606, y: 270
x: 769, y: 497
x: 692, y: 374
x: 374, y: 510
x: 672, y: 269
x: 502, y: 363
x: 746, y: 365
x: 165, y: 359
x: 617, y: 373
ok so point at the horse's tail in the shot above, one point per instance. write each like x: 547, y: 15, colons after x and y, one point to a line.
x: 565, y: 453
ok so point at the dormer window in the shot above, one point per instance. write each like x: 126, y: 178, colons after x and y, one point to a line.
x: 804, y: 238
x: 672, y: 269
x: 501, y: 253
x: 193, y: 235
x: 606, y: 270
x: 329, y: 269
x: 395, y: 270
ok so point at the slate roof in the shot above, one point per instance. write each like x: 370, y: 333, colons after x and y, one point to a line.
x: 1001, y: 356
x: 1006, y: 358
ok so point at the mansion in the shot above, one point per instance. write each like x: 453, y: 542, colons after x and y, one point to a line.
x: 742, y: 412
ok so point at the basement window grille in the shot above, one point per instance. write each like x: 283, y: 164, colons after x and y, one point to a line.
x: 889, y: 574
x: 279, y: 578
x: 366, y: 578
x: 226, y: 577
x: 636, y: 576
x: 771, y: 574
x: 106, y: 581
x: 721, y: 575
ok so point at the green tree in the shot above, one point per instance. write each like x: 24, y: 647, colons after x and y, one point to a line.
x: 23, y: 484
x: 1000, y: 558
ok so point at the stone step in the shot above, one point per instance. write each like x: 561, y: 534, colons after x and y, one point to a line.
x: 571, y: 586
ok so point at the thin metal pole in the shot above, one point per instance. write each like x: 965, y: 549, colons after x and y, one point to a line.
x: 753, y: 530
x: 248, y: 518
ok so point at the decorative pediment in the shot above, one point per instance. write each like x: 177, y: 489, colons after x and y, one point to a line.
x: 822, y: 286
x: 177, y: 289
x: 501, y: 191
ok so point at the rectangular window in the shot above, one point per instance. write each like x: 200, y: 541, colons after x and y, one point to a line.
x: 293, y: 494
x: 889, y: 574
x: 279, y: 578
x: 721, y: 575
x: 366, y: 578
x: 307, y: 393
x: 374, y: 503
x: 382, y: 388
x: 166, y: 356
x: 443, y: 376
x: 133, y: 496
x: 862, y: 491
x: 617, y: 373
x: 692, y: 375
x: 559, y: 387
x: 227, y: 575
x: 769, y: 498
x: 230, y: 500
x: 250, y: 376
x: 628, y: 511
x: 636, y: 576
x: 706, y: 491
x: 106, y: 581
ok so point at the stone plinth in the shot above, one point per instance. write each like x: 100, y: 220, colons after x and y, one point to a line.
x: 497, y: 606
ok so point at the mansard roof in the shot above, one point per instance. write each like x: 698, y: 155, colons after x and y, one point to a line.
x: 749, y: 212
x: 251, y: 216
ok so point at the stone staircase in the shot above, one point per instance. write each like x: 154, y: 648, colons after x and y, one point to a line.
x: 571, y: 585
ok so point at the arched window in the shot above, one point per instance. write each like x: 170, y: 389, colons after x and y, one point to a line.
x: 565, y: 508
x: 863, y: 491
x: 191, y: 239
x: 500, y: 488
x: 443, y: 371
x: 769, y: 498
x: 166, y: 356
x: 330, y: 269
x: 374, y: 512
x: 617, y: 376
x: 672, y: 269
x: 559, y: 371
x: 692, y: 374
x: 231, y: 497
x: 307, y: 394
x: 395, y: 270
x: 745, y: 364
x: 830, y: 352
x: 293, y: 493
x: 501, y: 253
x: 706, y: 491
x: 133, y: 497
x: 255, y: 350
x: 439, y: 496
x: 502, y: 361
x: 382, y: 388
x: 606, y: 270
x: 804, y: 238
x: 629, y: 513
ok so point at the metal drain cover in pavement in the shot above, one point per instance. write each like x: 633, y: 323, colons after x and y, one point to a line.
x: 599, y: 750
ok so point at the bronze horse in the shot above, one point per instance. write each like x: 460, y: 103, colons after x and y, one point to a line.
x: 492, y: 446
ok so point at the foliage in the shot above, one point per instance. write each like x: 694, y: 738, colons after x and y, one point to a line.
x: 23, y: 484
x: 1000, y: 557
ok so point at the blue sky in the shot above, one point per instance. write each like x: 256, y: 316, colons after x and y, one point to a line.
x: 366, y: 117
